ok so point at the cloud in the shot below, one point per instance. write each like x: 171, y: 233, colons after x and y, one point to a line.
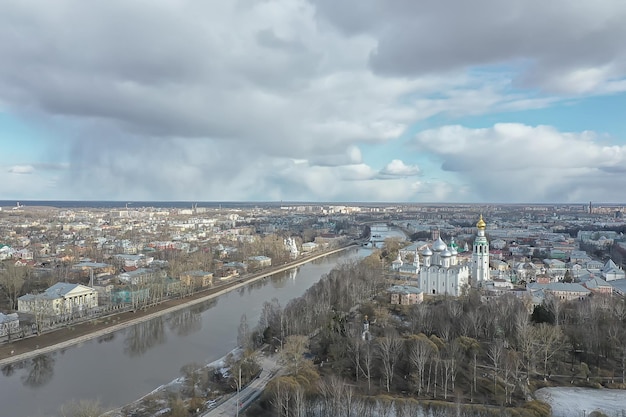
x: 21, y: 169
x: 585, y: 54
x: 516, y: 162
x: 51, y: 166
x: 397, y: 168
x: 275, y: 100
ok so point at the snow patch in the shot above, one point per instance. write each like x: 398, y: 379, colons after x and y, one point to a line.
x: 573, y: 402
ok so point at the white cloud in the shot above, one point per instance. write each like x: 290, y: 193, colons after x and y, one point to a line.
x: 397, y: 168
x: 516, y: 162
x: 21, y: 169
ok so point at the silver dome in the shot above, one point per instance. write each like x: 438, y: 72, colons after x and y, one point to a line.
x: 439, y: 245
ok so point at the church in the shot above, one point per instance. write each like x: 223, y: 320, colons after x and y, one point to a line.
x: 441, y: 273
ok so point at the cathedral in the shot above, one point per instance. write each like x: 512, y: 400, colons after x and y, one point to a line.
x: 441, y: 273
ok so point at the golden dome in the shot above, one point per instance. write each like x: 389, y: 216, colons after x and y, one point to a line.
x: 481, y: 223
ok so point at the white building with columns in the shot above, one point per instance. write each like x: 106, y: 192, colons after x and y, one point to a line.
x: 62, y: 298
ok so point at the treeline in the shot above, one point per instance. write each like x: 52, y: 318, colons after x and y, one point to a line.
x: 465, y: 350
x: 326, y: 303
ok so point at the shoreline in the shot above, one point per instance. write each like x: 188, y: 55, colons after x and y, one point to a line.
x: 58, y: 339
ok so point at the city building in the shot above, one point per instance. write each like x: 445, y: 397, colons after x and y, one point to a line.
x: 259, y: 261
x: 560, y: 290
x: 611, y: 272
x: 405, y: 295
x: 60, y: 299
x: 9, y: 324
x: 196, y: 278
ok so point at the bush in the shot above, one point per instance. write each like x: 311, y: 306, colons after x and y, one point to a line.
x: 538, y: 408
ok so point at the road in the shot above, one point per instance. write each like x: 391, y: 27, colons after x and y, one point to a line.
x: 249, y: 393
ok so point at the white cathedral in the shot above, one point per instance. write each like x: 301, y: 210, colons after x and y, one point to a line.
x: 442, y: 274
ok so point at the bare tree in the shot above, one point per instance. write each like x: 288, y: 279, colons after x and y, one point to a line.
x: 355, y: 347
x: 367, y: 360
x: 281, y: 390
x: 549, y: 340
x: 243, y: 333
x: 293, y: 353
x: 495, y: 353
x: 389, y: 349
x: 526, y: 344
x: 471, y: 348
x: 420, y: 351
x: 12, y: 279
x: 193, y: 378
x: 554, y: 305
x: 511, y: 370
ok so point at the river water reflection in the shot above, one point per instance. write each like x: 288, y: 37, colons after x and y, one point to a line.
x: 123, y: 366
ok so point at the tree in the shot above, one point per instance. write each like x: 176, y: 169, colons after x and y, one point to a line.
x: 471, y: 347
x: 495, y: 353
x: 549, y: 340
x: 541, y: 314
x: 293, y: 353
x: 282, y: 391
x: 243, y: 334
x: 420, y: 351
x: 390, y: 248
x: 355, y: 346
x: 12, y: 279
x: 510, y: 370
x: 526, y: 344
x: 554, y: 306
x: 568, y: 276
x: 242, y: 369
x: 389, y: 349
x: 367, y: 356
x: 193, y: 379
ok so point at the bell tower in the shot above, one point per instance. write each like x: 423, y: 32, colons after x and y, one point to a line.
x: 480, y: 254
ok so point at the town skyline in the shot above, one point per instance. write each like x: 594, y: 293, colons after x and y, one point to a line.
x: 313, y: 101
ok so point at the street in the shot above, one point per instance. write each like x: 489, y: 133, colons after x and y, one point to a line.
x: 249, y: 393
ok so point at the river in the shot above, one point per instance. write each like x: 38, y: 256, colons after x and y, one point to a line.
x: 125, y: 365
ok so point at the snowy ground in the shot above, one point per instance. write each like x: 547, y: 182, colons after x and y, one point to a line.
x: 580, y: 402
x: 162, y: 391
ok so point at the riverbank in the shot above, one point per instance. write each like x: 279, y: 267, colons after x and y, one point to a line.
x: 74, y: 334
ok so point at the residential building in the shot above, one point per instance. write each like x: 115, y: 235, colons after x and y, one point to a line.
x: 555, y: 269
x: 9, y: 324
x: 598, y: 286
x: 612, y: 272
x: 560, y: 290
x: 309, y: 246
x: 405, y: 295
x: 141, y: 276
x: 259, y: 261
x: 196, y: 278
x: 129, y: 295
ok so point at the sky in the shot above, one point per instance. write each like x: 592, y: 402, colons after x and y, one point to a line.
x: 488, y: 101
